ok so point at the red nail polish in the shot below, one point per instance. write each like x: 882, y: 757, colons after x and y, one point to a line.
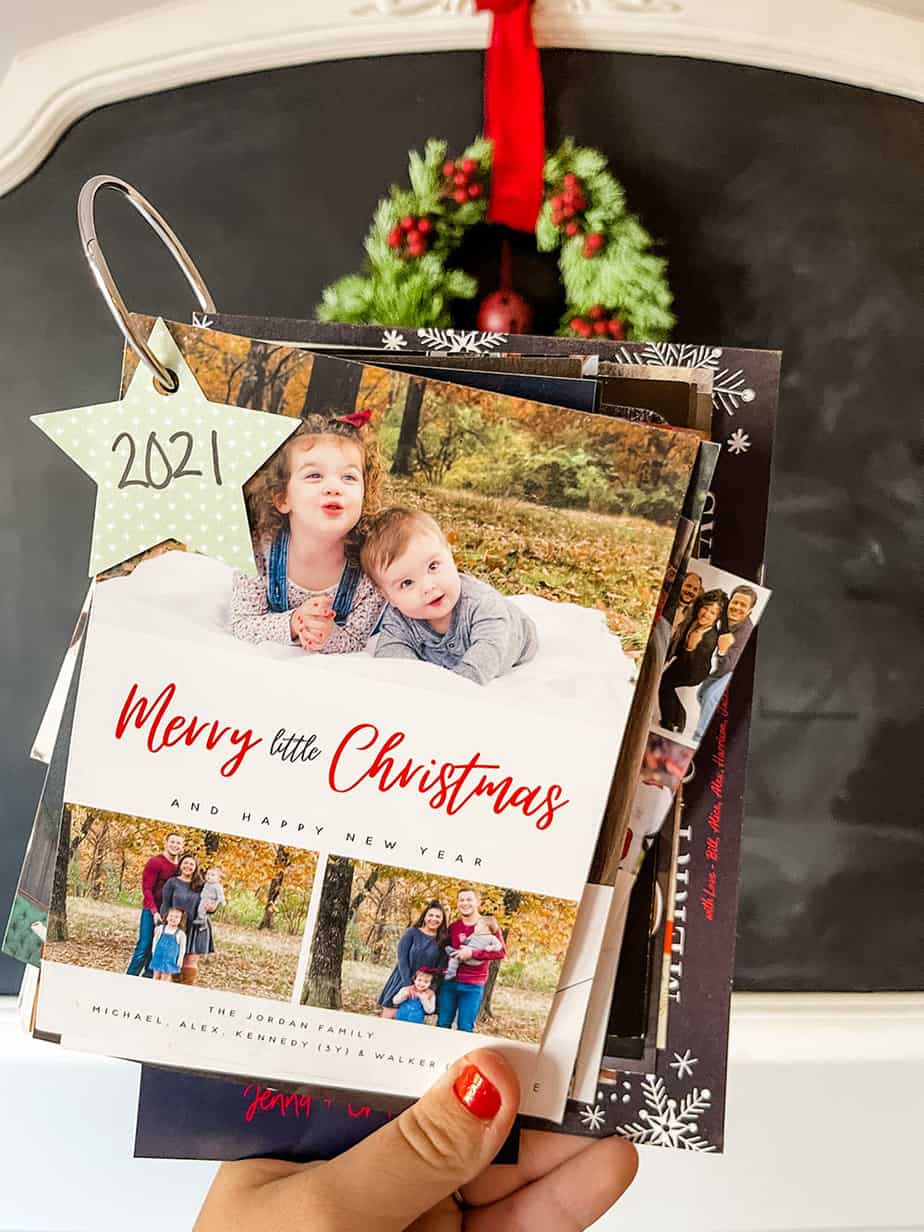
x: 480, y: 1096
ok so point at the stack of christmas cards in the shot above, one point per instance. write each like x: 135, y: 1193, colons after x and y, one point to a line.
x: 387, y: 679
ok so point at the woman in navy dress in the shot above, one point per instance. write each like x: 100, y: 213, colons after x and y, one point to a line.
x: 422, y: 945
x: 183, y: 890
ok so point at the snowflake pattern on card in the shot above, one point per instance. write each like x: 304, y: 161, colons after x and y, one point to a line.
x: 729, y: 387
x: 684, y: 1063
x: 460, y: 341
x: 739, y: 442
x: 393, y: 340
x: 665, y: 1121
x: 593, y: 1117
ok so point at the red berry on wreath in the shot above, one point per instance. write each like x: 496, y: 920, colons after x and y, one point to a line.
x: 595, y: 240
x: 395, y: 235
x: 460, y: 195
x: 449, y: 168
x: 424, y: 225
x: 572, y: 228
x: 596, y: 313
x: 568, y: 211
x: 556, y: 202
x: 570, y: 179
x: 585, y: 330
x: 460, y: 179
x: 469, y: 165
x: 575, y: 323
x: 475, y: 190
x: 600, y: 327
x: 579, y: 201
x: 407, y: 222
x: 614, y: 328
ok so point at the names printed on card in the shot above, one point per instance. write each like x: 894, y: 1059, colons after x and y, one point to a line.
x: 277, y: 1031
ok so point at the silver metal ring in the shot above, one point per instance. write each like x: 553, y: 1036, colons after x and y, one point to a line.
x: 86, y: 223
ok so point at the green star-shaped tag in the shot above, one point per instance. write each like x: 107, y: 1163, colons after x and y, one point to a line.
x: 168, y: 466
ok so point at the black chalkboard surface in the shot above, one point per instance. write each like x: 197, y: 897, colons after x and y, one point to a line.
x: 787, y: 207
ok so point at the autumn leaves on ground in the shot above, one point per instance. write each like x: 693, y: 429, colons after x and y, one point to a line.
x: 615, y: 564
x: 516, y: 1013
x: 258, y: 964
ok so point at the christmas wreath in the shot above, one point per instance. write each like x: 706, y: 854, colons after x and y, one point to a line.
x: 615, y: 285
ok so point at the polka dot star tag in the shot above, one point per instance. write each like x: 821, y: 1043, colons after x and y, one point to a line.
x: 168, y: 465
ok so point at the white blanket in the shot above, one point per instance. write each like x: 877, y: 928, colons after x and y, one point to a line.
x: 580, y: 670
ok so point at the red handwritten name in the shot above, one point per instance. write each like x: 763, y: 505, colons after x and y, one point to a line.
x: 268, y: 1099
x: 450, y: 786
x: 166, y: 730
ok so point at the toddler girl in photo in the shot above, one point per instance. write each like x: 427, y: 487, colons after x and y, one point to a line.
x: 417, y: 1000
x: 169, y: 946
x: 436, y: 613
x: 212, y: 896
x: 488, y: 932
x: 307, y: 508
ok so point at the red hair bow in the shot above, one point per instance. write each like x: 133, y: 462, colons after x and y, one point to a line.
x: 356, y: 419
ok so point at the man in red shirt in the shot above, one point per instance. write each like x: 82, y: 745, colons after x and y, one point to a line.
x: 157, y: 872
x: 459, y: 999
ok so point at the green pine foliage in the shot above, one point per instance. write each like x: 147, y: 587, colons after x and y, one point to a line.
x: 624, y: 274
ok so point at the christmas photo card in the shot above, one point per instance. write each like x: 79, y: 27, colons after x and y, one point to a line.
x: 331, y: 801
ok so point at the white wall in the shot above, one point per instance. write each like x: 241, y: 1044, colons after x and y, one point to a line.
x: 823, y: 1122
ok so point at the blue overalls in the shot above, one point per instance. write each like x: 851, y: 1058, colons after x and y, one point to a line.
x: 277, y: 581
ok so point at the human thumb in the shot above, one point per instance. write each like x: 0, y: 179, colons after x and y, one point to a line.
x: 439, y: 1144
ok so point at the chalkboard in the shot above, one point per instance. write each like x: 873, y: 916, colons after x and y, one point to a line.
x: 787, y: 207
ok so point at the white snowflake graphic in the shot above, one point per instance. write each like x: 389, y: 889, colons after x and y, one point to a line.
x: 665, y: 1122
x: 203, y: 321
x: 729, y: 389
x: 684, y: 1064
x: 738, y: 442
x: 593, y: 1118
x: 460, y: 341
x: 393, y: 340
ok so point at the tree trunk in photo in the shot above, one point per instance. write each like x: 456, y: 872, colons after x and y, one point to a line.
x: 95, y: 870
x: 359, y: 896
x: 512, y: 900
x: 322, y: 988
x: 212, y: 843
x: 283, y: 860
x: 333, y: 387
x: 410, y: 424
x: 57, y: 909
x: 253, y: 384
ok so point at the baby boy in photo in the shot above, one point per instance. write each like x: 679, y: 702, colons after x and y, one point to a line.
x: 490, y: 940
x: 436, y: 613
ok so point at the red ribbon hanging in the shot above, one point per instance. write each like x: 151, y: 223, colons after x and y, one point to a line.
x: 513, y: 115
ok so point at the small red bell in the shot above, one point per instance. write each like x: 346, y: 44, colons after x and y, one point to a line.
x: 505, y: 311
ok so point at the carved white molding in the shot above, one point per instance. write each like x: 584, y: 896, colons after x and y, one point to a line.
x: 868, y: 43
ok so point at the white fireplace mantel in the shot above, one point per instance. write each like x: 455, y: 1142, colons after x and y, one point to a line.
x: 63, y: 66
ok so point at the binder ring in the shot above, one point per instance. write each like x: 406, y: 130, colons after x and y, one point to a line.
x: 164, y: 379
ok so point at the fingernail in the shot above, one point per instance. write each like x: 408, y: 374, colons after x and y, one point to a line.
x: 480, y: 1096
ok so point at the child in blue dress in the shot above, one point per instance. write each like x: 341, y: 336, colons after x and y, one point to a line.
x: 169, y: 946
x: 417, y: 1000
